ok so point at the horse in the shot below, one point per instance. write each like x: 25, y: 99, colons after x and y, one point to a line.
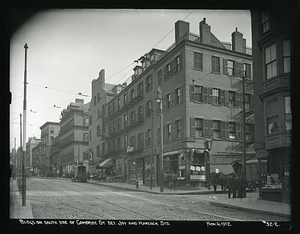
x: 219, y: 179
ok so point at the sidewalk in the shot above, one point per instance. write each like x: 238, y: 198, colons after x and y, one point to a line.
x: 251, y: 202
x: 17, y: 211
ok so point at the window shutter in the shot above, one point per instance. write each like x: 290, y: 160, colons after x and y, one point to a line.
x: 223, y: 130
x: 192, y: 93
x: 237, y: 99
x: 172, y: 102
x: 211, y: 127
x: 172, y: 67
x: 181, y: 127
x: 225, y: 69
x: 181, y: 97
x: 226, y: 98
x: 238, y: 131
x: 236, y: 68
x: 165, y: 73
x: 205, y: 94
x: 192, y: 124
x: 226, y: 130
x: 173, y: 131
x: 206, y: 129
x: 210, y: 95
x: 222, y: 97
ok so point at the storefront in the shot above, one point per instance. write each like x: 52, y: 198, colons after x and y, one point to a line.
x: 277, y: 187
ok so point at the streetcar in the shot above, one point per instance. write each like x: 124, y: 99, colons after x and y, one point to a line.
x: 79, y: 174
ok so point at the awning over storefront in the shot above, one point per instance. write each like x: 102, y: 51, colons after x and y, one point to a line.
x: 108, y: 163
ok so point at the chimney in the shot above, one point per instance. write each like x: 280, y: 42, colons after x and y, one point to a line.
x: 238, y: 42
x: 182, y: 29
x: 205, y: 33
x: 77, y: 100
x: 102, y: 77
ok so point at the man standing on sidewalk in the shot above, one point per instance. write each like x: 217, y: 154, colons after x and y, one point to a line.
x: 242, y: 185
x: 231, y: 186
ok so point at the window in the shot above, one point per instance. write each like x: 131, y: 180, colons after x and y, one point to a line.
x: 177, y: 128
x: 198, y: 60
x: 216, y: 96
x: 232, y: 131
x: 125, y: 98
x: 132, y: 117
x: 140, y: 89
x: 159, y: 75
x: 216, y: 129
x: 118, y: 104
x: 119, y: 124
x: 148, y: 137
x: 169, y: 132
x: 177, y: 96
x: 230, y: 67
x: 114, y: 126
x: 248, y: 72
x: 140, y: 113
x: 132, y: 141
x: 98, y: 130
x: 168, y: 101
x: 132, y: 96
x: 286, y: 56
x: 125, y: 120
x: 125, y: 141
x: 231, y: 99
x: 287, y: 113
x: 95, y: 100
x: 140, y: 142
x: 51, y: 130
x: 248, y: 132
x: 148, y: 108
x: 247, y: 101
x: 148, y: 83
x: 98, y: 97
x: 168, y: 72
x: 103, y: 148
x: 272, y: 116
x: 198, y: 93
x: 177, y: 64
x: 198, y: 127
x: 265, y: 22
x: 270, y: 61
x: 215, y: 64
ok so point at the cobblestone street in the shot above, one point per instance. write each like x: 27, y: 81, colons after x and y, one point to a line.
x: 62, y: 199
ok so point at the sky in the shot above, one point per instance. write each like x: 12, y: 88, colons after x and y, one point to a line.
x: 67, y: 48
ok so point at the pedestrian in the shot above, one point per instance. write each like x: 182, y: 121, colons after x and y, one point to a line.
x: 230, y: 185
x: 242, y: 185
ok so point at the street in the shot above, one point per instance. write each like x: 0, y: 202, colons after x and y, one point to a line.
x: 53, y: 198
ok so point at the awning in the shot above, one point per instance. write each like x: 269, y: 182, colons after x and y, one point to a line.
x: 107, y: 163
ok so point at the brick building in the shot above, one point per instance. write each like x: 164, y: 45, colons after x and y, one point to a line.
x: 49, y: 130
x: 73, y: 135
x: 271, y: 38
x: 29, y: 162
x: 200, y: 81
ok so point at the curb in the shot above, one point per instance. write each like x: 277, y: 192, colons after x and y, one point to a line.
x: 220, y: 204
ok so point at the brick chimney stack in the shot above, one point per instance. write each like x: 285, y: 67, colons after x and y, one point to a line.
x: 102, y: 77
x: 238, y: 42
x: 182, y: 29
x: 205, y: 32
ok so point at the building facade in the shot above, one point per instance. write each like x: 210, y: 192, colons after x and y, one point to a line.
x: 200, y: 85
x: 271, y: 38
x: 29, y: 164
x: 73, y: 135
x: 36, y: 153
x: 49, y: 130
x: 101, y: 93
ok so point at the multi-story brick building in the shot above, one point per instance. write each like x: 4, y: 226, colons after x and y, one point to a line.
x: 101, y: 93
x: 55, y: 156
x: 271, y: 39
x: 73, y: 135
x: 36, y: 153
x: 49, y: 130
x: 201, y: 86
x: 30, y: 144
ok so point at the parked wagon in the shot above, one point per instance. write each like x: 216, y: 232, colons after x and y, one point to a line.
x: 252, y: 172
x: 79, y: 174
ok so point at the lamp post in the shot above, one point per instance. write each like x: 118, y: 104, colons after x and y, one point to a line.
x: 159, y: 100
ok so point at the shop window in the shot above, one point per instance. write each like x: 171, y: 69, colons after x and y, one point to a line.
x: 272, y: 116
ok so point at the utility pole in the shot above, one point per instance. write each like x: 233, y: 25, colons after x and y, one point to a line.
x: 24, y: 130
